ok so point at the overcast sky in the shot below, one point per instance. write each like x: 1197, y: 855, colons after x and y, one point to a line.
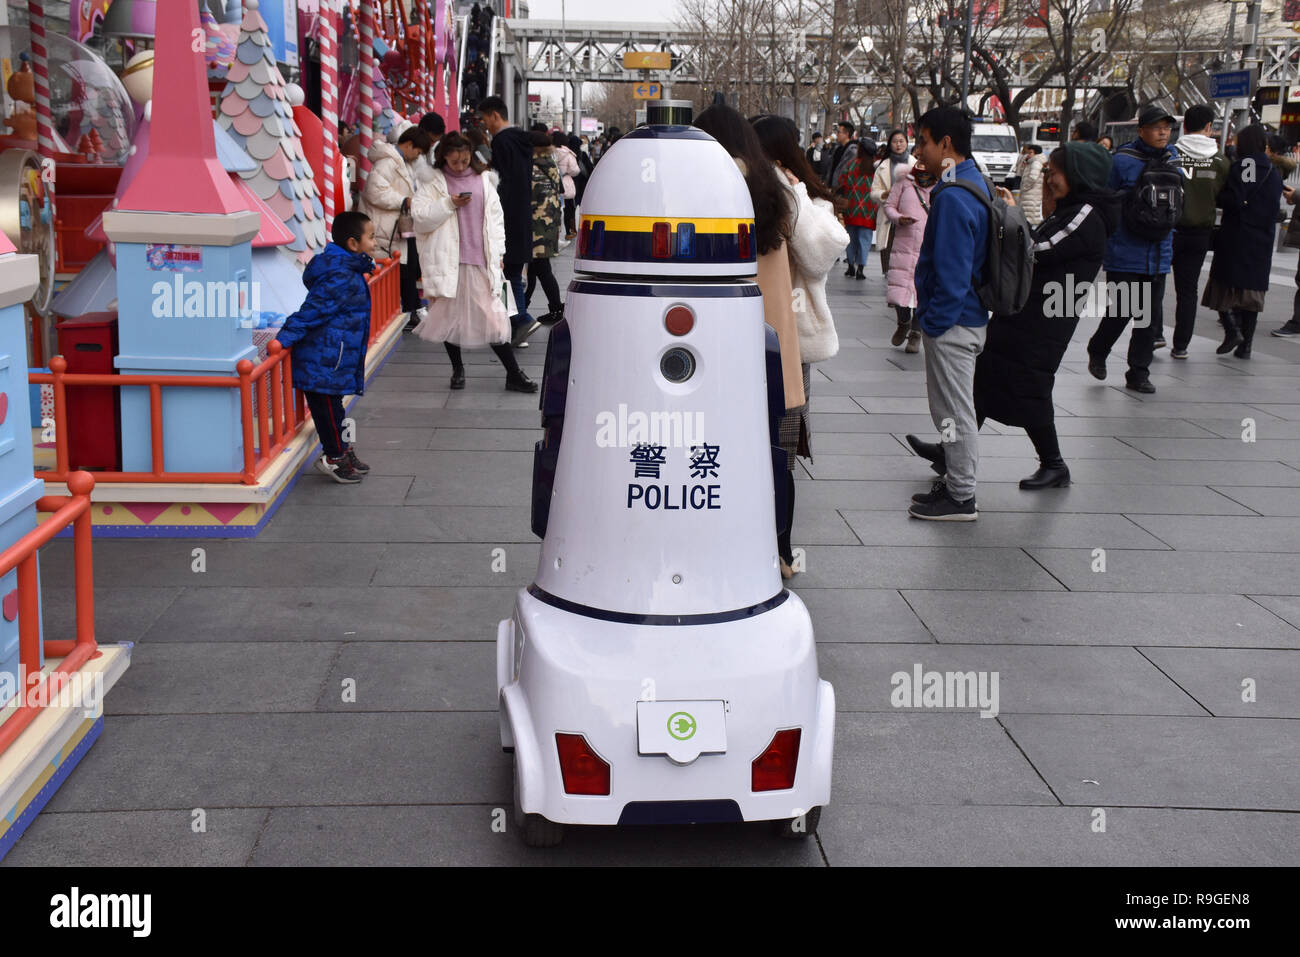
x: 641, y: 11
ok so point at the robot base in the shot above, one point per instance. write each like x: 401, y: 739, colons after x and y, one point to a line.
x: 567, y: 672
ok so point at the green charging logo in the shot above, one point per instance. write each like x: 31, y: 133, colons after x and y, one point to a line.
x: 681, y: 725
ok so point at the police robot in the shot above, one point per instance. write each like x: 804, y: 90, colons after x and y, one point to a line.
x: 657, y: 671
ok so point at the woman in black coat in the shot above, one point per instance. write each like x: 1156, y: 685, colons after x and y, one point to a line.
x: 1243, y: 243
x: 1016, y: 372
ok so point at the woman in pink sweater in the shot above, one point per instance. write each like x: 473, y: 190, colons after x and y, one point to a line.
x: 908, y: 207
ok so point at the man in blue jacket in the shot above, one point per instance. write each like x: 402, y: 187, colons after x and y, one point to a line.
x: 948, y: 308
x: 1136, y: 267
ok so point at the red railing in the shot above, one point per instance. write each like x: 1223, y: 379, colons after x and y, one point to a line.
x: 385, y: 295
x: 68, y: 510
x: 271, y: 409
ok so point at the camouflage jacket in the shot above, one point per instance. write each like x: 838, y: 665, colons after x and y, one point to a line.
x: 548, y: 206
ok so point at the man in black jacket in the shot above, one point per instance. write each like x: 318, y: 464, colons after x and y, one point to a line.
x: 512, y: 158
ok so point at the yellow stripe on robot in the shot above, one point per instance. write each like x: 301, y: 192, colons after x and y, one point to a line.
x: 645, y: 224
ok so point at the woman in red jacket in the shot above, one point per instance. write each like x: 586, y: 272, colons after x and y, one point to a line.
x: 853, y: 193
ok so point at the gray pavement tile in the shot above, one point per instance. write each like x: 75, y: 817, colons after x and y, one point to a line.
x: 428, y: 464
x: 484, y: 440
x: 1267, y: 429
x: 413, y: 676
x: 822, y: 401
x: 451, y: 418
x: 1072, y: 447
x: 1290, y: 412
x: 1241, y: 763
x: 819, y: 526
x: 860, y: 494
x: 1221, y: 449
x: 493, y: 398
x: 857, y: 443
x: 121, y: 563
x: 1197, y: 573
x: 855, y: 835
x: 1216, y: 677
x: 429, y: 379
x: 860, y: 615
x: 1225, y: 534
x: 1047, y: 618
x: 1011, y: 530
x: 465, y: 836
x: 139, y: 839
x: 1079, y: 425
x: 221, y: 677
x: 1182, y: 410
x: 1149, y: 499
x: 895, y: 405
x: 1030, y: 680
x: 1285, y: 607
x: 459, y: 564
x: 1266, y: 501
x: 315, y: 489
x: 948, y: 759
x: 268, y: 760
x: 406, y: 399
x: 413, y: 523
x: 447, y: 483
x: 349, y: 613
x: 380, y: 439
x: 959, y: 567
x: 1168, y: 472
x: 823, y: 422
x: 121, y: 614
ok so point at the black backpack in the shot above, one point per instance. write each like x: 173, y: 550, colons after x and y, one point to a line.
x: 1154, y: 204
x: 1009, y: 257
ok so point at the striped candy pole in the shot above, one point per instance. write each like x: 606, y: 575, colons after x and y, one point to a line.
x: 329, y: 103
x: 419, y: 64
x: 41, y: 71
x: 366, y: 107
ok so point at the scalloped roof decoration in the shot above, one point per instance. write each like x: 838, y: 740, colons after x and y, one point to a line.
x: 257, y: 117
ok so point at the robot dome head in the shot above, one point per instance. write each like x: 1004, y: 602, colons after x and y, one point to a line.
x: 667, y: 201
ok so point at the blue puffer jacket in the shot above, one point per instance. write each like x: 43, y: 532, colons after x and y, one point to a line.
x: 331, y: 331
x: 1124, y: 251
x: 953, y: 250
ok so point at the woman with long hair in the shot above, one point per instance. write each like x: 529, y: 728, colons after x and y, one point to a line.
x: 773, y: 228
x: 1243, y: 243
x: 461, y: 233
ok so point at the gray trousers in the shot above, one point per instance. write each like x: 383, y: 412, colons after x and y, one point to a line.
x: 950, y: 387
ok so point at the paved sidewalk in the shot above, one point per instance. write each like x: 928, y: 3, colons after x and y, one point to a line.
x: 1120, y: 690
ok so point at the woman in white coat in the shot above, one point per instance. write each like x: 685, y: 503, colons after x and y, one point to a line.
x: 461, y: 235
x: 887, y: 173
x: 390, y: 184
x: 816, y: 240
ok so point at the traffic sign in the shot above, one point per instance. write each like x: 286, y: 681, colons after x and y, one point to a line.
x: 647, y: 61
x: 647, y: 91
x: 1231, y: 85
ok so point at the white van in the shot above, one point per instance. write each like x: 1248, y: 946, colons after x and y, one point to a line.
x: 1043, y: 133
x: 994, y: 148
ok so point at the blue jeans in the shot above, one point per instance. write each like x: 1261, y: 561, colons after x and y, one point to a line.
x: 859, y: 245
x: 514, y: 274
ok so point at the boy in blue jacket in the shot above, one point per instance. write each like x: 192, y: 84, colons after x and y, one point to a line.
x: 329, y: 336
x: 948, y: 309
x: 1135, y: 265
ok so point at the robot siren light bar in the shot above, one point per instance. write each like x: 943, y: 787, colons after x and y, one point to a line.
x: 668, y: 113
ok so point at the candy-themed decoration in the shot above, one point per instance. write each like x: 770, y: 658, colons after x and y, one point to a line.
x: 257, y: 113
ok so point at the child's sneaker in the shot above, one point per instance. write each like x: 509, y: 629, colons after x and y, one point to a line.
x: 339, y: 469
x: 356, y: 463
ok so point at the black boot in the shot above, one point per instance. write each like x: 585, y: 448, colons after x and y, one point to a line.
x: 858, y: 274
x: 849, y: 272
x: 1247, y: 325
x: 932, y: 452
x: 1231, y: 334
x: 1052, y: 474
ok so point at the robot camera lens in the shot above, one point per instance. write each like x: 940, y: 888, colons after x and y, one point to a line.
x: 677, y: 365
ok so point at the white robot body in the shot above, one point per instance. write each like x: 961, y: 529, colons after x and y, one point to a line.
x: 657, y: 670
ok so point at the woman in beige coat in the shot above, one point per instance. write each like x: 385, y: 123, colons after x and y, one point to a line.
x: 772, y: 230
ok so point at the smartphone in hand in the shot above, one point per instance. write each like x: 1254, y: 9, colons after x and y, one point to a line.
x: 464, y: 195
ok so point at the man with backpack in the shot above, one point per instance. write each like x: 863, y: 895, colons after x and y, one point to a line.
x: 1139, y: 253
x: 948, y: 308
x: 1206, y: 170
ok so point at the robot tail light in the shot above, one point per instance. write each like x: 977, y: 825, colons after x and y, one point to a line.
x: 661, y: 240
x: 774, y: 769
x: 583, y: 770
x: 743, y: 231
